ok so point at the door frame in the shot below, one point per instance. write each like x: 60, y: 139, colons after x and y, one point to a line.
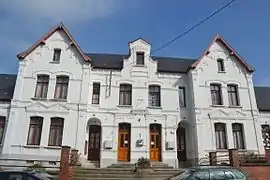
x: 160, y: 141
x: 129, y: 142
x: 100, y: 139
x: 180, y: 129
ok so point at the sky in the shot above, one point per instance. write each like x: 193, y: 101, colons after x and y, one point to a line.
x: 106, y: 26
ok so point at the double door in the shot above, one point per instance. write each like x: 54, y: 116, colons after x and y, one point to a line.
x: 124, y: 142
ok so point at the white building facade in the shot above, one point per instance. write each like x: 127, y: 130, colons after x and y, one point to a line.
x: 118, y: 108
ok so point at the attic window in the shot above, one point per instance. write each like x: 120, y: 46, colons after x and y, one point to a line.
x: 140, y: 58
x: 56, y: 55
x: 220, y: 64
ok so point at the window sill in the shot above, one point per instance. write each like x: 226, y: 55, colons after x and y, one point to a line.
x: 60, y: 100
x: 38, y: 99
x: 125, y: 106
x: 222, y: 150
x: 96, y: 105
x: 32, y: 146
x: 221, y: 71
x: 154, y: 107
x: 235, y: 106
x: 53, y: 147
x: 140, y: 65
x: 217, y: 105
x: 55, y: 62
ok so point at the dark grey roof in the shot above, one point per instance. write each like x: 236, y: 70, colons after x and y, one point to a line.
x: 165, y: 64
x: 262, y: 94
x: 7, y: 85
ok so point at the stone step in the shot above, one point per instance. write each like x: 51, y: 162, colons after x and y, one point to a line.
x: 93, y: 173
x: 131, y: 175
x: 117, y: 178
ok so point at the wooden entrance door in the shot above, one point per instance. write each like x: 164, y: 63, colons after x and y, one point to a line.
x: 94, y: 143
x: 155, y: 142
x: 181, y: 144
x: 124, y: 142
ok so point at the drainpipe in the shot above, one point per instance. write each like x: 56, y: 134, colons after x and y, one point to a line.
x: 252, y: 114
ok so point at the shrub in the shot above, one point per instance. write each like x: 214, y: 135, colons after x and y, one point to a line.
x: 143, y: 163
x: 36, y: 167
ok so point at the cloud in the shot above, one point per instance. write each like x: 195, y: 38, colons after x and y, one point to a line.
x: 71, y: 11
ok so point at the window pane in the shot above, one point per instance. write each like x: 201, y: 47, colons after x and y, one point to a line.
x: 35, y: 128
x: 233, y: 95
x: 201, y: 175
x: 56, y: 132
x: 154, y: 96
x: 96, y: 93
x: 220, y: 64
x: 238, y: 137
x: 61, y: 88
x: 220, y: 133
x: 2, y: 128
x: 266, y: 136
x: 217, y: 175
x: 182, y: 96
x: 216, y: 94
x: 42, y: 86
x: 140, y: 58
x: 125, y: 94
x: 56, y: 55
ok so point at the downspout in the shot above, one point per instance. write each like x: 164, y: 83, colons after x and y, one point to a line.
x: 78, y: 109
x: 252, y: 114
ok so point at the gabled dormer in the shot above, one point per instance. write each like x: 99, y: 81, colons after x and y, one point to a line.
x: 139, y: 51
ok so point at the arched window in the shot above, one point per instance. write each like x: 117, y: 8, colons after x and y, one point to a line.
x: 42, y: 86
x: 221, y: 137
x: 154, y: 96
x: 233, y: 95
x: 56, y: 131
x: 61, y: 87
x: 216, y: 94
x: 238, y: 137
x: 35, y: 129
x: 125, y: 94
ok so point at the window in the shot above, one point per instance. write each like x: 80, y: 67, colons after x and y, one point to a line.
x: 182, y: 97
x: 217, y: 174
x: 125, y: 94
x: 140, y: 58
x: 35, y: 128
x: 154, y: 96
x: 56, y: 55
x: 56, y: 132
x: 266, y: 136
x: 216, y: 94
x: 220, y: 64
x: 96, y: 93
x: 238, y: 137
x: 220, y: 133
x: 42, y: 86
x: 233, y: 95
x: 61, y: 88
x: 201, y: 175
x: 2, y: 128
